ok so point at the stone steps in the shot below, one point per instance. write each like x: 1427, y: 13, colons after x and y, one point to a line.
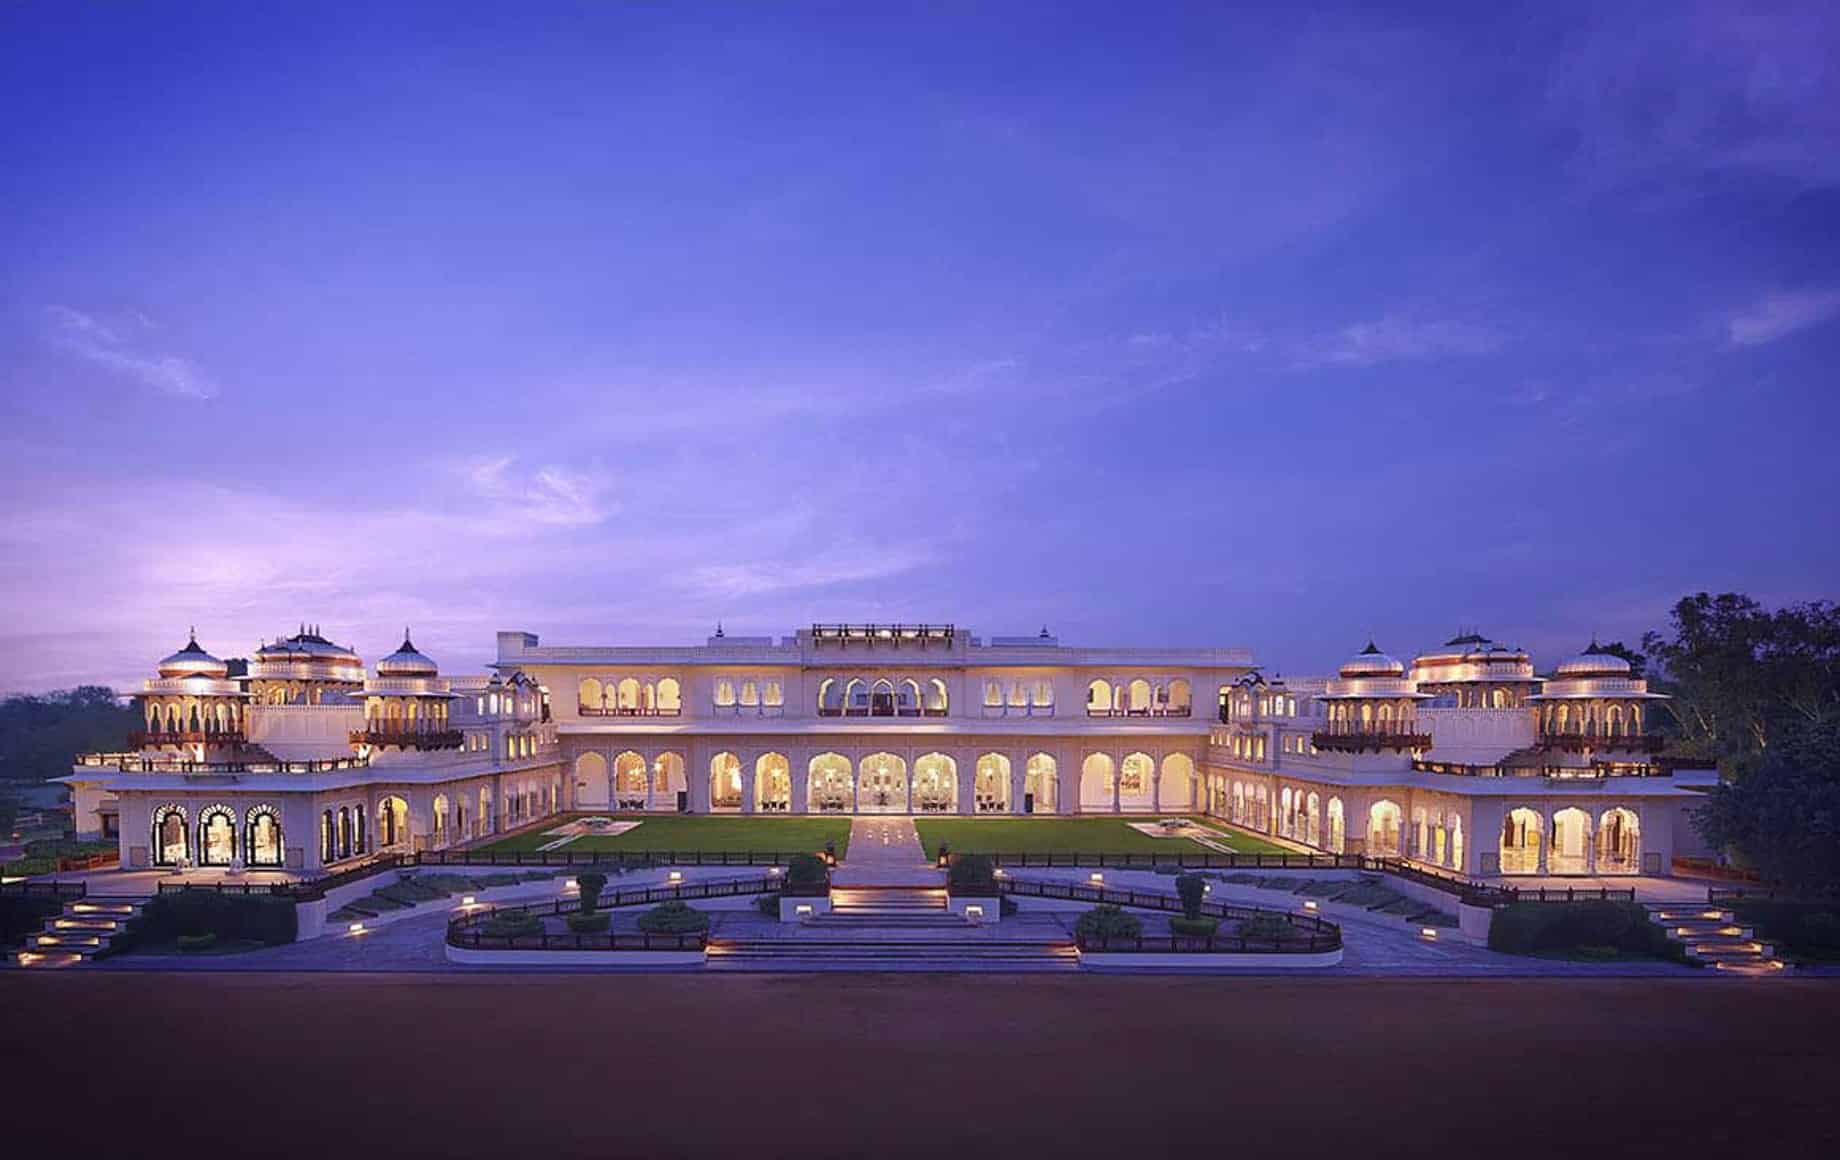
x: 891, y: 955
x: 1712, y: 935
x: 83, y: 931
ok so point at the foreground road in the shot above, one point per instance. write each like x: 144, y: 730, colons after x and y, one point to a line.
x: 658, y: 1065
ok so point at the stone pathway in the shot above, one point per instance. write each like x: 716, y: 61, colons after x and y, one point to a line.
x: 885, y: 851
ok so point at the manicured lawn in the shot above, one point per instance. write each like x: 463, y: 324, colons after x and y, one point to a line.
x: 1063, y: 835
x: 704, y: 834
x: 1241, y: 843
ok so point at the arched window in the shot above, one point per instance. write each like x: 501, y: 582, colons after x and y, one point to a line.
x: 171, y: 835
x: 830, y: 697
x: 993, y: 694
x: 328, y: 839
x: 629, y: 695
x: 1498, y: 699
x: 1140, y: 697
x: 442, y: 805
x: 344, y: 832
x: 216, y: 836
x: 1099, y: 699
x: 772, y: 695
x: 1180, y: 699
x: 881, y: 698
x: 750, y: 694
x: 670, y: 697
x: 936, y: 703
x: 1043, y: 695
x: 725, y: 693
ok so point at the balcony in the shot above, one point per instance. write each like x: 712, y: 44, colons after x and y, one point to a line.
x: 877, y: 711
x: 141, y: 738
x: 1577, y: 741
x: 408, y: 738
x: 586, y: 711
x: 1359, y: 742
x: 1153, y: 711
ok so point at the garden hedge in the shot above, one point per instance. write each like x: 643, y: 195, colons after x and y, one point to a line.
x: 1525, y: 928
x: 231, y: 917
x: 971, y: 876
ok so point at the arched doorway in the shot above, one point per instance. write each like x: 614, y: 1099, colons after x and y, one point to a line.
x: 936, y: 784
x: 725, y: 783
x: 1177, y: 789
x: 881, y: 784
x: 1041, y: 781
x: 631, y: 785
x: 773, y: 784
x: 1619, y: 842
x: 667, y: 780
x: 1521, y: 833
x: 171, y: 836
x: 216, y: 836
x: 262, y: 837
x: 1338, y: 827
x: 1096, y: 784
x: 1137, y: 782
x: 591, y: 785
x: 1383, y: 824
x: 1571, y: 842
x: 991, y: 787
x: 393, y: 823
x: 829, y: 787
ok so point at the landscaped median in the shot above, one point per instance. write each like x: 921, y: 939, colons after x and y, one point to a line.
x: 564, y: 931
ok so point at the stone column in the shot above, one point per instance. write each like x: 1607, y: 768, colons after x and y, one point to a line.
x: 748, y: 769
x: 1018, y: 781
x: 801, y: 776
x: 1117, y: 782
x: 967, y: 786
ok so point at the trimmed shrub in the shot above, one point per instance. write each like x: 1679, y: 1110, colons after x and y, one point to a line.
x: 589, y: 922
x: 511, y: 924
x: 1272, y: 926
x: 1006, y: 905
x: 673, y: 918
x: 1525, y: 928
x: 767, y: 904
x: 259, y: 918
x: 21, y: 915
x: 1801, y: 930
x: 1194, y: 927
x: 1104, y: 922
x: 1191, y: 888
x: 806, y: 871
x: 591, y: 883
x: 972, y: 876
x: 196, y: 942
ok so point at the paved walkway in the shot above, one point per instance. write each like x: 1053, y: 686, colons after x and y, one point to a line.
x: 885, y: 851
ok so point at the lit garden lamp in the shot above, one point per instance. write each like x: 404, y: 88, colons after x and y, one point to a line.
x: 1096, y: 878
x: 355, y: 929
x: 1310, y: 905
x: 676, y: 876
x: 1428, y: 933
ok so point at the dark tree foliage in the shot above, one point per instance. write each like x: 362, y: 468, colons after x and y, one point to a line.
x: 40, y: 733
x: 1743, y: 677
x: 1192, y: 888
x: 1783, y: 817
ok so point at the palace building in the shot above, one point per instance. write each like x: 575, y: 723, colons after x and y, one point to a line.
x: 1464, y: 760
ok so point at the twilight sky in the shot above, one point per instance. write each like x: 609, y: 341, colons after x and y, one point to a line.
x: 1153, y: 324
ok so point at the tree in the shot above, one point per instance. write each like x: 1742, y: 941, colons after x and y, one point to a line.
x: 1783, y: 818
x: 1741, y: 677
x: 1191, y: 888
x: 41, y: 732
x: 591, y: 884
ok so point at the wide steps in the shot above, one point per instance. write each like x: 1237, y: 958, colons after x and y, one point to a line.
x: 802, y: 954
x: 39, y: 960
x: 83, y: 931
x: 1713, y: 935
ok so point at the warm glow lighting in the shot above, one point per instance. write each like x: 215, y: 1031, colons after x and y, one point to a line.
x: 570, y: 884
x: 1309, y: 904
x: 802, y: 911
x: 468, y: 900
x: 974, y: 913
x: 1096, y: 878
x: 356, y: 928
x: 677, y: 875
x: 773, y: 870
x: 1427, y: 932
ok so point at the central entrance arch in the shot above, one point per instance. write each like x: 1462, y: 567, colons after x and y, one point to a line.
x: 881, y: 784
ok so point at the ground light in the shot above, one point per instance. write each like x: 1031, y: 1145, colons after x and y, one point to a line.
x: 1428, y: 933
x: 1309, y: 904
x: 677, y: 876
x: 1096, y: 878
x: 355, y: 928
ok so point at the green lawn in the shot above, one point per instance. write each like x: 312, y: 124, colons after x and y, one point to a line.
x: 1065, y: 836
x: 703, y: 834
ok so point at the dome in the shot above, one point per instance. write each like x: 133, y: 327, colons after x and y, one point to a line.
x: 192, y: 661
x: 1371, y: 662
x: 406, y: 662
x: 306, y: 645
x: 1593, y: 662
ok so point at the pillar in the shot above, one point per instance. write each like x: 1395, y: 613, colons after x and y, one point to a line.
x: 801, y: 776
x: 749, y: 768
x: 1018, y: 781
x: 967, y: 786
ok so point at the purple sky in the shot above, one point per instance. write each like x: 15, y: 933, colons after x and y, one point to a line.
x: 1154, y: 325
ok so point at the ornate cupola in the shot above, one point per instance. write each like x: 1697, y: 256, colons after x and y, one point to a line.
x: 1473, y: 672
x: 1594, y: 705
x: 1371, y: 706
x: 191, y: 706
x: 305, y: 669
x: 405, y: 704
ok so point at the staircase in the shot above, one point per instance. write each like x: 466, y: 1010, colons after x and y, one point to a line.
x: 1712, y: 935
x: 892, y: 928
x: 84, y: 931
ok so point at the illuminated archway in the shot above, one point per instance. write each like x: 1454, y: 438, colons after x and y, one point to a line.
x: 881, y: 784
x: 773, y: 784
x: 1619, y: 842
x: 171, y: 836
x: 1137, y: 782
x: 1522, y: 832
x: 830, y: 786
x: 1383, y: 824
x: 991, y: 788
x: 1338, y: 827
x: 725, y: 783
x: 1177, y: 789
x: 591, y: 785
x: 262, y: 837
x: 935, y: 784
x: 1571, y: 842
x: 1096, y: 783
x: 631, y: 785
x: 392, y: 823
x: 1041, y: 781
x: 216, y: 836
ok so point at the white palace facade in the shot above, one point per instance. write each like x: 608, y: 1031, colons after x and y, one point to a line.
x: 1464, y: 759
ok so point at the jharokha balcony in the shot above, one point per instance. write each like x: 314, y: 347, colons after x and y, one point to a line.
x: 1150, y: 711
x: 1358, y: 741
x: 1574, y: 741
x: 628, y: 711
x: 408, y: 738
x: 142, y: 738
x: 878, y: 711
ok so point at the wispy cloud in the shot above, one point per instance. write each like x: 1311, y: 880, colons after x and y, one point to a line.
x: 94, y: 341
x: 1394, y: 338
x: 548, y: 496
x: 1779, y: 314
